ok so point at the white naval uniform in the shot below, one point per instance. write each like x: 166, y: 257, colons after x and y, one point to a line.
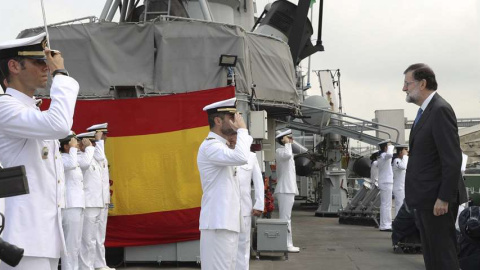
x: 385, y: 184
x: 73, y: 212
x: 399, y: 167
x: 374, y: 172
x: 92, y: 181
x: 462, y: 206
x: 245, y: 174
x: 220, y: 214
x: 286, y: 188
x: 100, y: 156
x: 33, y: 221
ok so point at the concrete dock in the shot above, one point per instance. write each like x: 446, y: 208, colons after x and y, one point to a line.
x: 325, y: 244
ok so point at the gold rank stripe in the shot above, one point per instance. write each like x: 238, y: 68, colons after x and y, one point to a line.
x: 31, y: 53
x: 226, y: 109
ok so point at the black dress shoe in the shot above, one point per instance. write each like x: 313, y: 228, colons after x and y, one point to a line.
x: 386, y: 230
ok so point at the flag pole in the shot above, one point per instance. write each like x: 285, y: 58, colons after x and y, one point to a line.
x: 45, y: 24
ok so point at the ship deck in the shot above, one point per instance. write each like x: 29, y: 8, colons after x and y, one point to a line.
x: 325, y: 244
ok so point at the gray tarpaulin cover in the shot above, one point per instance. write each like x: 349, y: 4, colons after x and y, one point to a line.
x: 169, y: 57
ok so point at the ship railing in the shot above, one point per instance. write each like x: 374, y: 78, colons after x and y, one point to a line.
x: 345, y: 125
x: 90, y: 19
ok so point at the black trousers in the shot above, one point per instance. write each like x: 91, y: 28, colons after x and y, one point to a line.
x: 403, y: 227
x: 439, y: 241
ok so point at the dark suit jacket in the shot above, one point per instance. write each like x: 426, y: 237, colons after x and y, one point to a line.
x: 435, y: 158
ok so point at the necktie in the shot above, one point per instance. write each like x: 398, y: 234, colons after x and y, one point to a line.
x: 419, y: 114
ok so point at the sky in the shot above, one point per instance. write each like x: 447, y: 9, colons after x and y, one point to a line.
x: 371, y: 41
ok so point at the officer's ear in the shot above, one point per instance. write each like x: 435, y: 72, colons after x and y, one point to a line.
x: 217, y: 120
x: 15, y: 66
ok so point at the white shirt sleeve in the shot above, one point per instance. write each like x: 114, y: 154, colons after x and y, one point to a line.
x: 259, y: 186
x: 219, y: 154
x: 401, y: 163
x: 85, y: 158
x: 70, y: 161
x: 284, y: 153
x: 20, y: 121
x: 99, y: 153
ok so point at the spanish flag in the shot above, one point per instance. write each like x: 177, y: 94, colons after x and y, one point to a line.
x: 152, y: 150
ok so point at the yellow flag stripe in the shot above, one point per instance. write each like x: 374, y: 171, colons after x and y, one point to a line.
x: 155, y: 173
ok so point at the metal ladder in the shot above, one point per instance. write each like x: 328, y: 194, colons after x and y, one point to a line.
x: 159, y: 13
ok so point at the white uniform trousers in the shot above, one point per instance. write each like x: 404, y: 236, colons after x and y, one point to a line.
x: 399, y: 197
x: 285, y: 205
x: 72, y: 223
x: 100, y: 239
x: 218, y: 249
x: 243, y: 253
x: 29, y: 263
x: 461, y: 207
x: 90, y: 225
x: 385, y: 206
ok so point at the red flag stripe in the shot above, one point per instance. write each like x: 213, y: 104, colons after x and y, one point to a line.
x: 149, y: 115
x: 153, y: 228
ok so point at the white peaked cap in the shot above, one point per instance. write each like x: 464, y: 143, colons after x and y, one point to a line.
x: 227, y: 105
x: 99, y: 127
x: 30, y: 47
x: 401, y: 146
x: 384, y: 142
x: 86, y: 135
x: 286, y: 132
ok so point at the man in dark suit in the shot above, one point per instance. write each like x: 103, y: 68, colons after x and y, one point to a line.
x: 434, y: 187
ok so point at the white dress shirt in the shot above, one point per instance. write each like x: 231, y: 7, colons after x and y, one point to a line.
x: 399, y: 169
x: 286, y: 175
x: 220, y: 207
x: 245, y: 174
x: 374, y: 172
x: 385, y: 173
x: 33, y: 221
x: 101, y: 157
x: 75, y: 196
x: 427, y: 101
x: 92, y: 178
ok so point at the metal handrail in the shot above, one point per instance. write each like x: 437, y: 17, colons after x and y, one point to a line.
x: 90, y: 18
x: 339, y: 117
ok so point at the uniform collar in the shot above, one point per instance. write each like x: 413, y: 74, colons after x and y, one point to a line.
x: 21, y: 96
x: 216, y: 136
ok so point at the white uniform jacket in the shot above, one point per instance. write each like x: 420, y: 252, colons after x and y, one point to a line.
x: 286, y: 176
x: 92, y: 178
x: 374, y: 172
x: 220, y: 208
x: 33, y: 220
x: 100, y: 156
x: 385, y: 173
x: 399, y: 167
x: 245, y: 174
x: 75, y: 196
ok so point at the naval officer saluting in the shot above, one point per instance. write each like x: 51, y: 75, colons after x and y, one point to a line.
x: 385, y: 184
x: 100, y: 262
x: 30, y: 137
x: 220, y: 214
x: 286, y: 188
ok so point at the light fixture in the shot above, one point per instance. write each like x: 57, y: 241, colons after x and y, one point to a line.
x: 228, y: 60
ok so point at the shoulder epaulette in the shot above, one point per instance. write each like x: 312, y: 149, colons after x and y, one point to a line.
x: 4, y: 95
x: 208, y: 139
